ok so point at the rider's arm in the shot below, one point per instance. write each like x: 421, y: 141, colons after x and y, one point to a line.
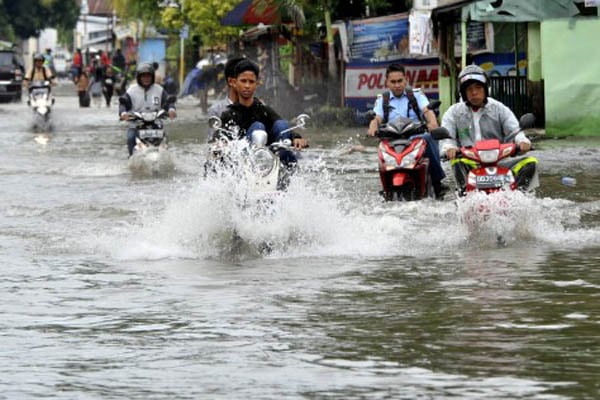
x: 125, y: 106
x: 378, y: 119
x: 430, y: 117
x: 510, y: 125
x: 167, y: 105
x: 449, y: 146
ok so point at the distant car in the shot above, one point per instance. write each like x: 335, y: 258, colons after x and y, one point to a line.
x: 11, y: 75
x: 62, y: 64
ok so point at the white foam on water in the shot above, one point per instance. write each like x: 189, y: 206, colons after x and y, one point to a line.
x: 214, y: 217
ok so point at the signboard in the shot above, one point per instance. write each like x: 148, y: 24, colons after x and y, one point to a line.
x: 378, y: 39
x: 480, y: 38
x: 592, y: 3
x: 364, y: 82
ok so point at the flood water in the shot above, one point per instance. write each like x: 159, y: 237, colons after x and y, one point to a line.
x: 117, y: 285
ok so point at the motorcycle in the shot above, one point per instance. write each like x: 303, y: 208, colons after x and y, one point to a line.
x: 150, y: 153
x: 259, y: 165
x: 487, y: 178
x: 479, y: 168
x: 41, y: 101
x: 403, y: 168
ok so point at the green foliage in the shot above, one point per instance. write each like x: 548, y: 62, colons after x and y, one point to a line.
x: 147, y: 11
x: 28, y: 17
x: 203, y: 18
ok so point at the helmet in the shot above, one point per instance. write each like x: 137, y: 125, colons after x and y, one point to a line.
x: 144, y: 68
x: 38, y: 57
x: 470, y: 74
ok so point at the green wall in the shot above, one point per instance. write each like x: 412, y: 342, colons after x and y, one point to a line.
x: 571, y: 71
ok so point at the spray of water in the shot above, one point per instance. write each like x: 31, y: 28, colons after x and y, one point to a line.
x: 219, y: 216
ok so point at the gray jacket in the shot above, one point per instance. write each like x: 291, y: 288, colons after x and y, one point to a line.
x: 496, y: 122
x: 137, y: 99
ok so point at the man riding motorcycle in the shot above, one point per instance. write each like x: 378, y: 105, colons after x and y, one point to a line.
x: 480, y: 117
x: 249, y: 114
x: 401, y: 101
x: 145, y: 96
x: 38, y: 72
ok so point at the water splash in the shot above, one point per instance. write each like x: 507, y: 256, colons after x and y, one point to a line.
x: 217, y: 217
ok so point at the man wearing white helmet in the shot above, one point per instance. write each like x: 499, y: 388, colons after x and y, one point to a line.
x: 145, y: 96
x: 479, y: 117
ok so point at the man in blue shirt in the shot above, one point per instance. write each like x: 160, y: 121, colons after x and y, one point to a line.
x: 404, y: 102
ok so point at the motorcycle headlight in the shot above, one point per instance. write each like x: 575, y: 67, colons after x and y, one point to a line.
x: 148, y: 116
x: 410, y: 160
x: 262, y: 163
x: 388, y: 159
x: 489, y: 156
x: 259, y: 138
x: 43, y: 110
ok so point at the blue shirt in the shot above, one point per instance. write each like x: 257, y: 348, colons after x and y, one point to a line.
x: 400, y: 106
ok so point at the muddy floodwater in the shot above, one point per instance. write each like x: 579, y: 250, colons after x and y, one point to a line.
x: 120, y: 285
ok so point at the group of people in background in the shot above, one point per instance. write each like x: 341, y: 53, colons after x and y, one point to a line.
x: 101, y: 77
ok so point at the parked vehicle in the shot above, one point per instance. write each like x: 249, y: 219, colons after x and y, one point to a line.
x: 11, y: 75
x: 62, y: 64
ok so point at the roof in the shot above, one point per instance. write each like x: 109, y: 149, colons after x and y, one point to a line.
x: 100, y: 7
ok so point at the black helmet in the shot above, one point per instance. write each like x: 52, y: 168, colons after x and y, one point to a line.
x: 470, y: 74
x: 144, y: 68
x: 38, y: 57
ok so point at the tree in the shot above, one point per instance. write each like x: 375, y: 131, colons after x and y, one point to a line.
x: 28, y: 17
x: 146, y: 10
x: 203, y: 18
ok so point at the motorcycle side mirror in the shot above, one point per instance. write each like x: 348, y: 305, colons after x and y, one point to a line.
x: 301, y: 120
x: 527, y: 121
x: 440, y: 133
x: 434, y: 105
x: 214, y: 122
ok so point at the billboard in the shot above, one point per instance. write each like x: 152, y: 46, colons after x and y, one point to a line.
x: 374, y: 44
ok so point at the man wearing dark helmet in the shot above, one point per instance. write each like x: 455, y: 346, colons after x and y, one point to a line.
x: 145, y: 96
x: 39, y: 72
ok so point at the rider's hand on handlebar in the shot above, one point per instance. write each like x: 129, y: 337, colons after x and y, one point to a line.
x: 124, y: 116
x: 172, y: 114
x: 451, y: 153
x: 300, y: 143
x: 524, y: 147
x: 372, y: 129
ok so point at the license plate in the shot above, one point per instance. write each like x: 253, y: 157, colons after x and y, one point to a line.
x: 151, y: 134
x: 491, y: 181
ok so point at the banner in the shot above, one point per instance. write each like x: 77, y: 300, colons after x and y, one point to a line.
x: 378, y: 39
x: 480, y: 38
x: 420, y: 33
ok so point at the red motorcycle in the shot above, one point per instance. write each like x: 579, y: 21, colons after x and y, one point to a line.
x: 403, y: 168
x: 478, y: 168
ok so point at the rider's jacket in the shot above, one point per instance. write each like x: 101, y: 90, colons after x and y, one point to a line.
x: 241, y: 116
x: 492, y: 121
x: 139, y: 99
x: 39, y: 74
